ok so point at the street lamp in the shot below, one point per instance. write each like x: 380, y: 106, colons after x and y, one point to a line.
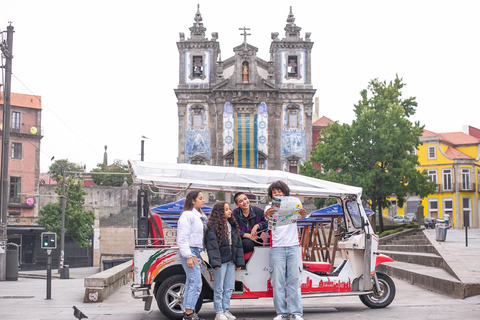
x: 142, y: 148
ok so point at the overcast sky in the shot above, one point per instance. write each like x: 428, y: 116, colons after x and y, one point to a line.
x: 106, y: 70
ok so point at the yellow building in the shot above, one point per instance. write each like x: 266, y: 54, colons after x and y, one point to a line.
x: 452, y: 160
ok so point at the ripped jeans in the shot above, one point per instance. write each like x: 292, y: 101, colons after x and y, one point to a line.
x: 286, y: 278
x: 223, y: 286
x: 193, y: 284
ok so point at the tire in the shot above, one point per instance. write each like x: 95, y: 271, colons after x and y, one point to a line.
x: 170, y: 297
x: 382, y: 299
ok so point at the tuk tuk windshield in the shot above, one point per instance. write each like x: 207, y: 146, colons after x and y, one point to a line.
x: 355, y: 215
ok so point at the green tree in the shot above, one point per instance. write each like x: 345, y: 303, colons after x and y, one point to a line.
x: 78, y: 221
x: 71, y: 169
x: 112, y: 175
x: 375, y: 151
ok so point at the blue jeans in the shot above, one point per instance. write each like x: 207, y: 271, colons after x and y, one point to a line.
x: 223, y: 286
x: 286, y: 279
x: 193, y: 285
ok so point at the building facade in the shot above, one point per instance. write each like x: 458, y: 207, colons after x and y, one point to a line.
x: 244, y: 111
x: 452, y: 160
x: 23, y: 171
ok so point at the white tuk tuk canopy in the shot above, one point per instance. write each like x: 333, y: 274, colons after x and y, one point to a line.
x: 181, y: 176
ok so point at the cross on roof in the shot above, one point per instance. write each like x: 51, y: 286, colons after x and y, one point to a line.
x: 245, y: 34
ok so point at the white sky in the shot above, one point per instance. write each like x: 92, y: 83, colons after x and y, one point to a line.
x: 106, y: 70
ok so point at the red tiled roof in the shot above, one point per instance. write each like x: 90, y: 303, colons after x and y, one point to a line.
x: 455, y: 154
x: 322, y: 122
x: 23, y: 100
x: 459, y: 138
x: 455, y: 138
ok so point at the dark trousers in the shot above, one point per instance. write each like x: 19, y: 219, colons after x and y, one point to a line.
x: 249, y: 244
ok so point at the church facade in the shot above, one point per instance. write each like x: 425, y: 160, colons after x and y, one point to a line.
x: 244, y: 111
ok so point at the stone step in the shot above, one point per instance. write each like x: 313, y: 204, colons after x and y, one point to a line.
x: 431, y: 278
x: 405, y: 241
x: 426, y: 248
x: 420, y: 258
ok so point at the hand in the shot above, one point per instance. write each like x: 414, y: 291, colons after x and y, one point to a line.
x: 216, y: 268
x: 269, y: 212
x: 301, y: 213
x: 250, y: 236
x: 192, y: 260
x: 254, y: 229
x: 239, y: 268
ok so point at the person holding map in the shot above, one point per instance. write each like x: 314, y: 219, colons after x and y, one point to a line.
x: 285, y: 258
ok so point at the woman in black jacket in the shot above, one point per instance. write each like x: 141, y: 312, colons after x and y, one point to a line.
x: 225, y: 254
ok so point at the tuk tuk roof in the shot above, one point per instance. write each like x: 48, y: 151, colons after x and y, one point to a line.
x: 181, y: 176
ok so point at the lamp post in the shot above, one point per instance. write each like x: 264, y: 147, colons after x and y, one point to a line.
x: 142, y: 148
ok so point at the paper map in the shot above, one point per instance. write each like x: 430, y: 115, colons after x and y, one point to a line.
x: 286, y: 211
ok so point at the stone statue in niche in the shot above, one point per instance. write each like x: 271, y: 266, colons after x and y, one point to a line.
x: 245, y: 72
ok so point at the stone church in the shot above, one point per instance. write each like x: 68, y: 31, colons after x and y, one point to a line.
x: 244, y: 111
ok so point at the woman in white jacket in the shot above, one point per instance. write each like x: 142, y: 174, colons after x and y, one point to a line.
x: 190, y: 230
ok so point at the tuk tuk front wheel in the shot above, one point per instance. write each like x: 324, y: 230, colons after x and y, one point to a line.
x: 383, y: 298
x: 170, y: 297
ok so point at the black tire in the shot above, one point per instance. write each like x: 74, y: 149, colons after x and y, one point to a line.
x: 382, y: 299
x: 170, y: 296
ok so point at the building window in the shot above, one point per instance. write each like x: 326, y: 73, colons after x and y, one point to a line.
x: 292, y: 66
x: 293, y: 120
x: 433, y: 208
x: 448, y: 207
x: 293, y: 116
x: 447, y: 179
x: 15, y: 187
x: 197, y: 65
x: 466, y: 181
x: 16, y: 150
x: 15, y: 121
x: 432, y: 174
x: 197, y: 117
x: 467, y: 211
x: 432, y: 152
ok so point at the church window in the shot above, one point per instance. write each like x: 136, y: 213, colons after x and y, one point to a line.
x: 293, y: 120
x: 292, y: 66
x: 197, y: 117
x: 292, y: 117
x: 292, y: 162
x: 197, y: 66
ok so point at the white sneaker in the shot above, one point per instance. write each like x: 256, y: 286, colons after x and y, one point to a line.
x: 280, y: 317
x: 294, y: 317
x: 220, y: 316
x: 229, y: 315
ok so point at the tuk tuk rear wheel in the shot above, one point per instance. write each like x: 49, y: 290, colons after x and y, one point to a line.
x: 383, y: 298
x: 170, y: 297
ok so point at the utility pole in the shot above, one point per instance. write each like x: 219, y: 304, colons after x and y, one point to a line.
x: 62, y: 234
x: 7, y: 53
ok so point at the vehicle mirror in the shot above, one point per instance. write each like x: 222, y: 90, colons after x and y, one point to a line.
x: 335, y: 224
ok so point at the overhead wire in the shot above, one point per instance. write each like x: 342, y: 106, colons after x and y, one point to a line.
x: 44, y: 105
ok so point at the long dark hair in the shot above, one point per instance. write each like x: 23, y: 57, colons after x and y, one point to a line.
x: 218, y: 219
x: 191, y: 196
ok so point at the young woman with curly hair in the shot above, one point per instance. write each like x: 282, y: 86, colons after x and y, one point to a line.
x: 225, y: 254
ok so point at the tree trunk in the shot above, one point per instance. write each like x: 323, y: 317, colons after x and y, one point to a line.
x: 380, y: 217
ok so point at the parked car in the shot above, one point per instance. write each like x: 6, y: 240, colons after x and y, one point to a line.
x: 429, y: 223
x: 399, y: 219
x: 410, y: 217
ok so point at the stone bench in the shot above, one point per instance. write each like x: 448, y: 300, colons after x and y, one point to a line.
x: 101, y: 285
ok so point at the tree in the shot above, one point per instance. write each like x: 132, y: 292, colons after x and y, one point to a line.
x: 78, y: 221
x: 375, y: 152
x: 71, y: 169
x: 112, y: 175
